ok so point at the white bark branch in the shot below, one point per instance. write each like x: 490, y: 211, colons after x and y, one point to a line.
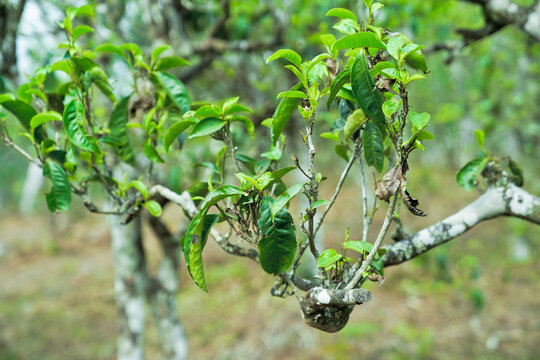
x: 508, y: 200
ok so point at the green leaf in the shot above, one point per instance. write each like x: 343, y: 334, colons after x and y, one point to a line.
x: 480, y: 137
x: 43, y: 118
x: 175, y: 90
x: 151, y: 152
x: 359, y: 40
x: 282, y: 114
x: 222, y: 192
x: 358, y: 246
x: 140, y: 186
x: 342, y: 151
x: 6, y: 97
x: 417, y: 60
x: 169, y: 62
x: 331, y: 136
x: 118, y: 127
x: 207, y: 126
x: 246, y: 122
x: 373, y: 146
x: 353, y: 123
x: 365, y: 94
x: 198, y: 241
x: 24, y: 113
x: 175, y: 130
x: 376, y: 70
x: 420, y: 120
x: 395, y: 44
x: 292, y: 94
x: 208, y: 111
x: 236, y: 108
x: 287, y: 54
x: 158, y: 50
x: 154, y: 208
x: 319, y: 203
x: 342, y: 13
x: 74, y: 117
x: 59, y: 198
x: 467, y: 175
x: 424, y: 135
x: 328, y: 257
x: 278, y: 244
x: 108, y: 48
x: 81, y: 30
x: 347, y: 26
x: 282, y: 200
x: 341, y: 79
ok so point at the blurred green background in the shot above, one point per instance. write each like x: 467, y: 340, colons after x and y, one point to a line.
x: 476, y: 297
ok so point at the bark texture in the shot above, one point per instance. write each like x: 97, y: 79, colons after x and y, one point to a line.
x: 130, y: 283
x: 507, y: 200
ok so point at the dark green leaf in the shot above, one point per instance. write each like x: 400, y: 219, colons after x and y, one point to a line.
x: 467, y: 175
x: 373, y: 146
x: 24, y: 113
x: 278, y: 244
x: 117, y: 126
x: 196, y: 269
x: 341, y: 79
x: 366, y: 95
x: 59, y: 197
x: 516, y: 170
x: 175, y: 90
x: 74, y: 117
x: 207, y: 126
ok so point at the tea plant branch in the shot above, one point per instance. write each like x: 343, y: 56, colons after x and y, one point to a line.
x: 313, y: 191
x: 365, y: 217
x: 502, y: 200
x: 497, y: 15
x: 339, y: 184
x: 358, y: 272
x: 7, y: 139
x: 188, y: 206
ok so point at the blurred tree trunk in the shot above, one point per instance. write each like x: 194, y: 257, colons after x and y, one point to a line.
x: 32, y: 184
x: 134, y: 287
x: 162, y: 295
x: 130, y: 282
x: 10, y: 15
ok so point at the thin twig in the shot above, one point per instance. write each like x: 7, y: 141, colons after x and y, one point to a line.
x: 384, y: 229
x: 338, y: 188
x: 365, y: 216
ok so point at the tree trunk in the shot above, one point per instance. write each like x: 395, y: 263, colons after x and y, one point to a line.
x: 162, y: 295
x: 130, y: 283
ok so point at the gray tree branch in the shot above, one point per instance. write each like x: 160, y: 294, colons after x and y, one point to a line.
x: 502, y: 200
